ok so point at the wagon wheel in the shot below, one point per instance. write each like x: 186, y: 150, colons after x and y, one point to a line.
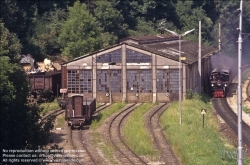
x: 39, y: 95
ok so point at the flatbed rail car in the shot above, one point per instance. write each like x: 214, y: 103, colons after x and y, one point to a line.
x: 44, y: 82
x: 220, y: 81
x: 79, y: 110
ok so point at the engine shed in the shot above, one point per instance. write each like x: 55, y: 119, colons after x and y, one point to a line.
x: 138, y: 69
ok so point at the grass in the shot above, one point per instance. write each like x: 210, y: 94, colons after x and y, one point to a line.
x: 190, y: 141
x: 135, y: 133
x: 98, y: 120
x: 60, y: 121
x: 49, y: 107
x: 107, y: 149
x: 246, y: 110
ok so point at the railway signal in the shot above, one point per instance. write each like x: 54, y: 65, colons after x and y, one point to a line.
x: 203, y: 112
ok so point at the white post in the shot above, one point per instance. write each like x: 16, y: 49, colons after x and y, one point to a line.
x: 199, y: 60
x: 240, y: 155
x: 180, y: 66
x: 180, y: 82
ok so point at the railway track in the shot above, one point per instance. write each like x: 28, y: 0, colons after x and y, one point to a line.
x: 227, y: 114
x: 123, y: 152
x: 101, y: 107
x: 152, y: 122
x: 53, y: 113
x: 86, y: 153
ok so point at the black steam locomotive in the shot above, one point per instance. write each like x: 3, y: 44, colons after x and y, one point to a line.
x: 220, y: 81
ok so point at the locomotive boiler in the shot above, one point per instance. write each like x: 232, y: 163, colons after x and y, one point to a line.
x: 220, y: 81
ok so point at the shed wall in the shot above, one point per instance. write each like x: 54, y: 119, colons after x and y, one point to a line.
x: 155, y: 78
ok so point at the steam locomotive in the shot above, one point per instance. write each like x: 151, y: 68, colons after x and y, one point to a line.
x: 220, y: 81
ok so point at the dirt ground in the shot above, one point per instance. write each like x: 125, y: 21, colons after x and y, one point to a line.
x: 228, y: 134
x: 60, y: 139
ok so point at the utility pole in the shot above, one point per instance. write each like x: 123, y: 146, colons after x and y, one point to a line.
x: 240, y: 153
x: 199, y: 60
x: 180, y: 67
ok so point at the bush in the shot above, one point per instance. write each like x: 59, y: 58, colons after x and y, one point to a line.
x: 192, y: 95
x: 189, y: 94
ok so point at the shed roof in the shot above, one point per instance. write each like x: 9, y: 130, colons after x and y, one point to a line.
x: 149, y: 39
x: 169, y: 47
x: 164, y: 45
x: 45, y: 73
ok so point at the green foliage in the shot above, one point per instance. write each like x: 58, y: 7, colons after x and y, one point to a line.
x: 192, y: 95
x: 102, y: 23
x: 60, y: 121
x: 47, y: 107
x: 161, y: 10
x: 228, y: 16
x: 9, y: 45
x: 190, y: 17
x: 111, y: 20
x: 19, y: 120
x: 80, y: 33
x: 20, y: 125
x: 16, y: 16
x: 44, y: 34
x: 135, y: 134
x: 192, y: 143
x: 162, y: 24
x: 98, y: 120
x: 246, y: 109
x: 143, y: 28
x: 189, y: 94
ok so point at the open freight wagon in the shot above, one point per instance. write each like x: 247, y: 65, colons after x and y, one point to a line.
x: 44, y: 84
x: 79, y: 110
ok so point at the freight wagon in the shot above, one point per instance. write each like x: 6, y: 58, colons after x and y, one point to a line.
x: 79, y: 110
x: 44, y: 84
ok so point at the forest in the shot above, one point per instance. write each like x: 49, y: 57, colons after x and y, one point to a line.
x: 68, y: 28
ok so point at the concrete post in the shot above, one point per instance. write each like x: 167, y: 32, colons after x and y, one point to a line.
x: 154, y: 77
x: 184, y: 81
x: 124, y: 75
x: 94, y: 70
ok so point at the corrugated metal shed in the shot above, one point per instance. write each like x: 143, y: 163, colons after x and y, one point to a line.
x: 169, y: 47
x: 163, y: 45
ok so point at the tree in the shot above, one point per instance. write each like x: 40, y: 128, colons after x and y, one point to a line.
x: 161, y: 10
x: 19, y: 120
x: 190, y: 17
x: 44, y: 34
x: 229, y: 20
x: 16, y: 18
x: 111, y: 20
x: 9, y: 44
x: 80, y: 33
x: 130, y: 10
x: 143, y: 28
